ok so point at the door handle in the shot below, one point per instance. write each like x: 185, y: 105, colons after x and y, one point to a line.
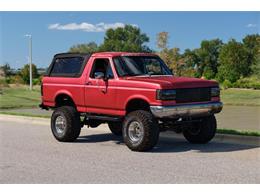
x: 89, y: 83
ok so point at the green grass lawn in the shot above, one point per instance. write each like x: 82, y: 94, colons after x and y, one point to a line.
x: 242, y: 97
x: 19, y: 97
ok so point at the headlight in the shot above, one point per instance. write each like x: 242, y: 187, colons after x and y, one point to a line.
x: 215, y: 92
x: 166, y: 94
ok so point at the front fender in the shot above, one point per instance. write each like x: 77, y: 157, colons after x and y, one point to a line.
x: 136, y: 96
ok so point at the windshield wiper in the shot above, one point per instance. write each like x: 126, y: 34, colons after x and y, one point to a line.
x: 130, y: 74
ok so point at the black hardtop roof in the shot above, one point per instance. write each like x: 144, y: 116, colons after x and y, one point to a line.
x: 64, y: 55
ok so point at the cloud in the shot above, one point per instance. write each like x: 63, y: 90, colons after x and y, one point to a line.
x: 251, y: 25
x: 87, y: 27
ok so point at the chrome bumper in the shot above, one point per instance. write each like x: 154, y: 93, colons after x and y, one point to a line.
x: 187, y: 110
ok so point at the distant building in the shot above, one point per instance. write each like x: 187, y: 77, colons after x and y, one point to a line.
x: 41, y: 71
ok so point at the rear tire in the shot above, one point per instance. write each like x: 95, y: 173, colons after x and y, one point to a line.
x: 201, y: 132
x: 65, y: 124
x: 116, y: 128
x: 140, y: 131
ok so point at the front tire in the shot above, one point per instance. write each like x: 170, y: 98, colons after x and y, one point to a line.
x: 65, y: 124
x: 201, y: 132
x: 140, y: 131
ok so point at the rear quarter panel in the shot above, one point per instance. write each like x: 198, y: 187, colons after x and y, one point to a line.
x: 73, y: 87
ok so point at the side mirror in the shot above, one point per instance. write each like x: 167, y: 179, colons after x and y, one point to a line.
x: 99, y: 75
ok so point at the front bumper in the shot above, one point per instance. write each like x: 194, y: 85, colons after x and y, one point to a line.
x: 187, y: 110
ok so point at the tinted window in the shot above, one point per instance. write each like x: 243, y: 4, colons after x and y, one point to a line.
x: 102, y: 65
x: 140, y: 65
x: 67, y: 66
x: 109, y: 73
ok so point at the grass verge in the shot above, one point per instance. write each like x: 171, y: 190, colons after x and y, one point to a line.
x: 24, y: 114
x: 240, y: 97
x: 239, y: 132
x: 19, y: 97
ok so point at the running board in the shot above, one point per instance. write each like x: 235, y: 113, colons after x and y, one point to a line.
x: 103, y: 118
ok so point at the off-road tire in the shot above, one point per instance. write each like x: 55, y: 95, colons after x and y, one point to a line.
x: 116, y: 128
x: 72, y: 127
x: 201, y: 132
x: 150, y: 130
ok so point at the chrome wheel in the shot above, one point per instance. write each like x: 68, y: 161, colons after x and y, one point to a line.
x: 60, y: 124
x: 135, y: 131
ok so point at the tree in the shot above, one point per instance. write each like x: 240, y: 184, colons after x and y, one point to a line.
x: 233, y: 61
x: 175, y: 56
x: 191, y: 58
x: 128, y: 38
x: 252, y: 46
x: 162, y: 40
x: 25, y: 73
x: 208, y: 57
x: 6, y: 69
x: 191, y: 61
x: 166, y: 56
x: 256, y: 66
x: 171, y: 57
x: 162, y: 43
x: 84, y: 48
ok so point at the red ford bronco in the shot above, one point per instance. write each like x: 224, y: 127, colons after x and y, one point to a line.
x: 135, y: 93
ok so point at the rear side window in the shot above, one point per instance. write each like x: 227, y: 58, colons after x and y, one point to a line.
x: 69, y: 66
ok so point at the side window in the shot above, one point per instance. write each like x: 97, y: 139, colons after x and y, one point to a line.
x: 103, y: 66
x: 69, y: 66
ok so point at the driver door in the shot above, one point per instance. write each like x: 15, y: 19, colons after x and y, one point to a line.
x: 100, y: 90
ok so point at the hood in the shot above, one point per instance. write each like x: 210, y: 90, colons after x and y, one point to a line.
x: 174, y: 82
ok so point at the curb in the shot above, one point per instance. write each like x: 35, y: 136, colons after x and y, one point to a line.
x: 220, y: 138
x: 24, y: 119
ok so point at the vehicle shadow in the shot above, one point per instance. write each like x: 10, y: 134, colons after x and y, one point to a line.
x: 171, y: 144
x: 167, y: 145
x: 104, y: 137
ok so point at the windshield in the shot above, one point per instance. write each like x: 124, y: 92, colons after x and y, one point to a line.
x: 140, y: 65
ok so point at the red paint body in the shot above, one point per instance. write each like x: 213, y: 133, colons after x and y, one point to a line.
x: 111, y: 97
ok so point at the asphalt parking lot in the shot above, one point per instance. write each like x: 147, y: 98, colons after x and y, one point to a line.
x: 30, y: 154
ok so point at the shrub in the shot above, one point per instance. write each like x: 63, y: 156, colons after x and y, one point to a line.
x: 16, y: 79
x: 250, y: 82
x: 197, y: 74
x: 233, y: 61
x: 37, y: 81
x: 25, y: 73
x: 3, y: 83
x: 227, y: 84
x: 208, y: 73
x: 188, y: 72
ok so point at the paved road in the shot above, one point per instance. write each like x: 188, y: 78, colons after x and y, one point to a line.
x: 29, y: 154
x: 231, y: 117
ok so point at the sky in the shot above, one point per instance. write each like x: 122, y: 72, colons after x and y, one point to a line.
x: 56, y: 32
